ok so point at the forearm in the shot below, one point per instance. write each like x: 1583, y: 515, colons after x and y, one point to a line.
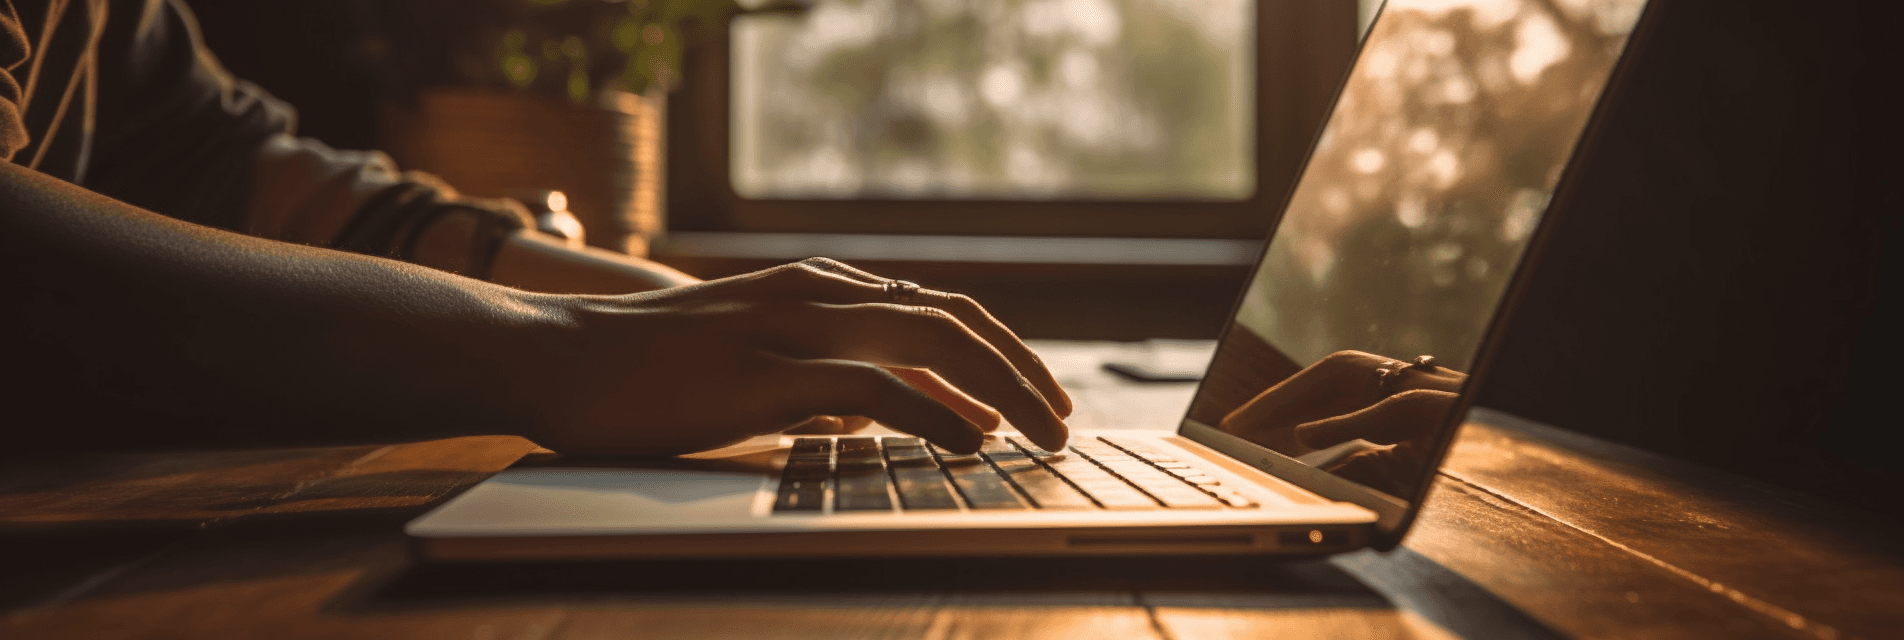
x: 529, y: 260
x: 133, y: 329
x: 306, y: 192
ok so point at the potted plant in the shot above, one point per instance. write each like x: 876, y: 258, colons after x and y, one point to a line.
x: 501, y: 97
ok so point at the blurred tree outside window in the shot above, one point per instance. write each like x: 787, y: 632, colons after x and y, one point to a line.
x: 996, y: 99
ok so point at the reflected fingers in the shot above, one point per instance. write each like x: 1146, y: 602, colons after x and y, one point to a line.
x: 1395, y: 419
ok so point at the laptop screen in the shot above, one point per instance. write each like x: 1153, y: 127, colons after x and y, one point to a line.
x: 1413, y: 213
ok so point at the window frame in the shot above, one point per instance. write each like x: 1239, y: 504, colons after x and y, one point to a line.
x: 1303, y: 49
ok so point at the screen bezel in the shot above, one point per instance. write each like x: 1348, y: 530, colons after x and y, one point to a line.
x: 1394, y: 516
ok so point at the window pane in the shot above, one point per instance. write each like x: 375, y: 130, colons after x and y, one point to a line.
x: 1008, y: 99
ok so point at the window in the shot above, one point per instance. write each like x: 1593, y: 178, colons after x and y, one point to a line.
x: 1028, y: 99
x: 1134, y: 118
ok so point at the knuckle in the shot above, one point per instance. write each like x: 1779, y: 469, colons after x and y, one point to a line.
x: 800, y: 269
x: 939, y: 323
x: 918, y: 317
x: 932, y: 314
x: 820, y: 265
x: 963, y: 302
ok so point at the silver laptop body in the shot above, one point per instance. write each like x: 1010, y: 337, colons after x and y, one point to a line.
x: 1421, y: 205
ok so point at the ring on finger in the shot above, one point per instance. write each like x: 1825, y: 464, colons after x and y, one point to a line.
x: 1389, y: 375
x: 900, y: 291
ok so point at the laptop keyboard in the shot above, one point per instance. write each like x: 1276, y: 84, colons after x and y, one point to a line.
x: 883, y: 474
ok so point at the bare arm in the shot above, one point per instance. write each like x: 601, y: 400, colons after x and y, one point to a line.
x: 138, y: 330
x: 148, y: 330
x: 532, y: 261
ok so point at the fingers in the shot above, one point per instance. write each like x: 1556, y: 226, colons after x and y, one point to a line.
x: 920, y: 337
x: 845, y: 387
x: 829, y: 265
x: 1397, y: 418
x: 981, y: 322
x: 833, y: 425
x: 832, y: 281
x: 854, y: 424
x: 822, y: 425
x: 985, y: 417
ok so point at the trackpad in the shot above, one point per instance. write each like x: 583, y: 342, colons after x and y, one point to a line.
x: 578, y: 500
x: 671, y: 487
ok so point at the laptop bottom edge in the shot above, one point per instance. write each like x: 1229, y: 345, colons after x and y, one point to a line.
x: 1301, y: 540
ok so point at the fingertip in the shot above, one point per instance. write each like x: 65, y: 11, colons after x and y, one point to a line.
x: 1056, y: 398
x: 989, y: 420
x: 965, y: 443
x: 1055, y: 441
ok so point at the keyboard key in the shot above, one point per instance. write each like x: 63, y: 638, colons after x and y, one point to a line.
x: 861, y: 490
x: 1047, y: 491
x: 804, y: 448
x: 1235, y: 499
x: 808, y: 469
x: 981, y: 485
x: 1201, y: 480
x: 916, y: 476
x: 860, y: 482
x: 1185, y: 498
x: 1105, y: 489
x: 859, y: 449
x: 908, y: 453
x: 924, y: 489
x: 804, y: 479
x: 801, y: 495
x: 1170, y: 490
x: 1138, y: 448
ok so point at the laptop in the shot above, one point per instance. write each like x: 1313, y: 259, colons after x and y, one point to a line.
x: 1330, y: 401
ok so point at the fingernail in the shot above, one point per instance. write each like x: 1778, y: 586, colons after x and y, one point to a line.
x: 1058, y: 445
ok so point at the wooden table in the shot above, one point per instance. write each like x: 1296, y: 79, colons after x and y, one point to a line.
x: 1530, y: 532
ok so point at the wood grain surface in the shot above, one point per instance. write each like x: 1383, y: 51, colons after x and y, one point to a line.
x: 1530, y: 533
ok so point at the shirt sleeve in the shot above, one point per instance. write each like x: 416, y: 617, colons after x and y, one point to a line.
x: 13, y: 50
x: 177, y: 134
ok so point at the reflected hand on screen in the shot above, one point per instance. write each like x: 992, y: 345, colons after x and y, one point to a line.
x: 1346, y: 396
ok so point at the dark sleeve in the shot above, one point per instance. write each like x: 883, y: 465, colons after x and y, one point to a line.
x: 12, y: 54
x: 177, y: 134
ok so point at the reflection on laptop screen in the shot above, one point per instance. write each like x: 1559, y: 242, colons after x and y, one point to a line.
x: 1413, y: 213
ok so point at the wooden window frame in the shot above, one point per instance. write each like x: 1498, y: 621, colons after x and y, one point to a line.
x: 1303, y: 49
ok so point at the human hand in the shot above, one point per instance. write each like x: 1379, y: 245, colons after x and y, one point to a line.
x: 702, y: 366
x: 985, y: 417
x: 1330, y: 394
x: 1410, y: 415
